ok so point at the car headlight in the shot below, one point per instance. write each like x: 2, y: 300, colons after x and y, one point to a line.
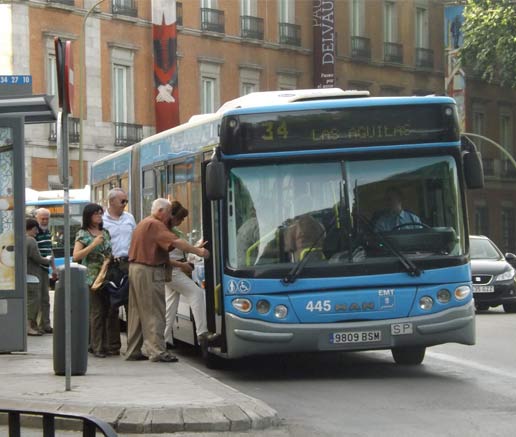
x: 505, y: 276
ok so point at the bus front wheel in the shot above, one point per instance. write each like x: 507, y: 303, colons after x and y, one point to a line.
x: 211, y: 360
x: 409, y: 356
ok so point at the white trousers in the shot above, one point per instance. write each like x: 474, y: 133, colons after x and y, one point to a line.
x: 182, y: 284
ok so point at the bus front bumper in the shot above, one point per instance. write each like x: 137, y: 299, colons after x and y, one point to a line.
x: 253, y: 337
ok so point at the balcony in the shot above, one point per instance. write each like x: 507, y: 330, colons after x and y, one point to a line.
x: 508, y: 170
x: 393, y: 52
x: 251, y: 27
x: 63, y: 2
x: 73, y: 131
x: 360, y: 47
x: 124, y: 7
x: 424, y: 58
x: 212, y: 20
x: 127, y: 134
x: 179, y: 13
x: 290, y: 34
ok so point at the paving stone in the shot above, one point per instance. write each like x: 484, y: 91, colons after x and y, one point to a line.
x: 72, y: 424
x: 204, y: 419
x: 134, y: 420
x: 167, y: 420
x: 108, y: 414
x: 239, y: 421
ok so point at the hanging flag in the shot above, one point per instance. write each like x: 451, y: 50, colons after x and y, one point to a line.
x: 324, y: 43
x: 164, y: 37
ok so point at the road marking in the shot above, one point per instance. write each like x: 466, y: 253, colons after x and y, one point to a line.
x: 477, y: 366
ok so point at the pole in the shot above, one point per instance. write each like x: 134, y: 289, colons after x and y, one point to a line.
x: 498, y: 146
x: 81, y: 90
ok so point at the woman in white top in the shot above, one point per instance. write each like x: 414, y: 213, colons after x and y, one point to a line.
x: 183, y: 284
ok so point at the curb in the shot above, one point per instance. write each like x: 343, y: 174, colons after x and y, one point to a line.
x: 133, y: 420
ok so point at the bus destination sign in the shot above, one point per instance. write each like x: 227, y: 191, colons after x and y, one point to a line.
x: 349, y: 127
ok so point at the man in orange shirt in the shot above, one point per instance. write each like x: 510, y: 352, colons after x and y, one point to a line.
x: 149, y: 270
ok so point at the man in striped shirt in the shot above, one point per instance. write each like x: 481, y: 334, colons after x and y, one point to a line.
x: 44, y: 239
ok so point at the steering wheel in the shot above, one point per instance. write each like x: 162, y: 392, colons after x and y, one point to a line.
x: 404, y: 225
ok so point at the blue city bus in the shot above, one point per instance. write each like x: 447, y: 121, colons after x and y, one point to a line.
x: 291, y: 193
x: 53, y: 201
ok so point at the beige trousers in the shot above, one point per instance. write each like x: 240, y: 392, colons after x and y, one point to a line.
x: 146, y: 316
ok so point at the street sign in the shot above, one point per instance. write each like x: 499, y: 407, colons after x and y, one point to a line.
x: 15, y: 85
x: 64, y: 64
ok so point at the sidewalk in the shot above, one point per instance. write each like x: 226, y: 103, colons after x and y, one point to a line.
x: 132, y: 396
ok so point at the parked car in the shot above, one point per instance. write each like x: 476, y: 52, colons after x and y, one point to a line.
x: 492, y: 275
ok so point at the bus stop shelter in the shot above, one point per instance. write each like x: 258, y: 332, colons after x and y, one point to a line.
x: 15, y: 112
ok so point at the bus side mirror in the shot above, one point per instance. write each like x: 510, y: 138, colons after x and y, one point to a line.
x: 215, y: 180
x: 472, y: 160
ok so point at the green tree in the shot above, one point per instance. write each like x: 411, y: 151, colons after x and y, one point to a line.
x: 489, y: 32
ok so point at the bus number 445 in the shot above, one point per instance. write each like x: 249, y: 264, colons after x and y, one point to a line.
x: 318, y: 305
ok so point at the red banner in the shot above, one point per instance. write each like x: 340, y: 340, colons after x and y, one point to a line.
x: 323, y: 20
x: 164, y: 37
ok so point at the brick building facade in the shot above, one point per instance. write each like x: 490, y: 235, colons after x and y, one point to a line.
x: 227, y: 48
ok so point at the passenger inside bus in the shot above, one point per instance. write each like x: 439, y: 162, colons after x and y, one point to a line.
x: 304, y: 235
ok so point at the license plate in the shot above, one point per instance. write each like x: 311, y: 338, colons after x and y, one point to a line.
x: 483, y: 288
x: 355, y: 337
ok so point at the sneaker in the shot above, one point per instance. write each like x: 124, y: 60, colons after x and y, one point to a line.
x: 112, y: 353
x: 35, y: 332
x: 170, y: 345
x: 138, y: 357
x: 48, y: 330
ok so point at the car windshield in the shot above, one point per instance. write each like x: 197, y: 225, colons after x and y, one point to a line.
x: 344, y: 213
x: 481, y: 248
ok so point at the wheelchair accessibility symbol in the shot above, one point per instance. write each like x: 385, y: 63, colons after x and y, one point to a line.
x: 244, y: 287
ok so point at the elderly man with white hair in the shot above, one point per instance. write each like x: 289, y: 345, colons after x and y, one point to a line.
x: 149, y: 271
x: 44, y: 239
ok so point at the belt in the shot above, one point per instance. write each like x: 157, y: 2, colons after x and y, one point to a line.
x: 121, y: 259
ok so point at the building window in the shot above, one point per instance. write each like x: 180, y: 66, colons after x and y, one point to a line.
x: 248, y: 8
x: 210, y: 87
x: 481, y: 220
x: 357, y: 18
x: 422, y: 27
x: 390, y: 25
x: 508, y: 234
x: 287, y: 11
x: 287, y: 82
x: 52, y: 90
x: 125, y: 7
x: 506, y: 141
x: 479, y: 124
x: 120, y: 91
x: 249, y: 81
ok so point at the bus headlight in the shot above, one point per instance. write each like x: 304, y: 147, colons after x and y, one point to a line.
x: 263, y: 306
x: 242, y: 305
x: 280, y: 311
x: 462, y: 292
x: 426, y: 303
x: 443, y: 295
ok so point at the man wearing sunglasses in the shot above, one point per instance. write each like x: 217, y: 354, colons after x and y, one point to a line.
x: 120, y: 225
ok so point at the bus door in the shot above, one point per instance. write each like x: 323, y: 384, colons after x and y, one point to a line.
x: 213, y: 268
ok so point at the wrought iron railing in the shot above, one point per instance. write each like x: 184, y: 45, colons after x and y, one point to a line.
x: 212, y: 20
x: 424, y: 58
x: 124, y: 7
x: 127, y: 134
x: 290, y: 34
x: 393, y: 52
x: 73, y: 131
x: 488, y: 166
x: 251, y: 27
x: 91, y: 426
x: 360, y: 47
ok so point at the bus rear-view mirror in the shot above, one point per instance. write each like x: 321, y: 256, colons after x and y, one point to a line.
x: 215, y: 180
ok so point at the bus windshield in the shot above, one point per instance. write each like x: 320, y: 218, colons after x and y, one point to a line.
x: 344, y: 213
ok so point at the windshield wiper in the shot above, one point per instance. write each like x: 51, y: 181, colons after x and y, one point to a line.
x: 298, y: 268
x: 410, y: 267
